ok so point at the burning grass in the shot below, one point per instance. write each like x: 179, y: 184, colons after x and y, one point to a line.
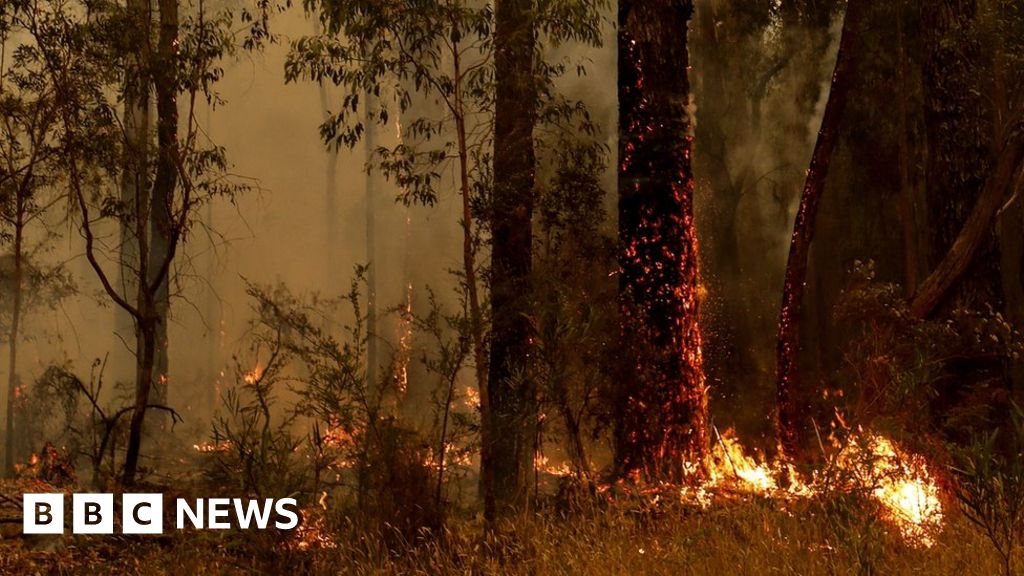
x: 869, y: 464
x: 745, y: 535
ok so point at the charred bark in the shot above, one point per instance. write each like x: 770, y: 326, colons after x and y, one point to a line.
x: 791, y: 399
x: 662, y: 422
x: 511, y: 389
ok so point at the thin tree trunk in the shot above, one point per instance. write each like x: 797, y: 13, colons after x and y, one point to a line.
x: 145, y: 350
x: 476, y: 319
x: 369, y: 140
x: 512, y: 390
x: 330, y: 191
x: 14, y: 335
x: 908, y: 191
x: 162, y: 198
x: 791, y: 399
x: 135, y: 171
x: 662, y: 422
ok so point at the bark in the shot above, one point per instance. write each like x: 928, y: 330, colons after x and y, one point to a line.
x: 135, y: 169
x: 162, y: 198
x: 371, y: 247
x: 12, y: 338
x: 512, y: 391
x: 476, y: 318
x: 976, y: 230
x: 662, y: 422
x: 151, y: 352
x: 791, y: 399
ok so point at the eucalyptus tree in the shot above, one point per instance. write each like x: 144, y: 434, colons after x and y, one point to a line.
x: 29, y: 193
x: 81, y: 49
x: 437, y: 58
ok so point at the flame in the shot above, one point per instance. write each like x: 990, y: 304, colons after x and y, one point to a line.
x: 210, y: 447
x: 541, y: 463
x: 472, y: 399
x: 898, y: 480
x: 901, y: 483
x: 404, y: 355
x: 313, y: 533
x: 253, y: 376
x: 453, y: 456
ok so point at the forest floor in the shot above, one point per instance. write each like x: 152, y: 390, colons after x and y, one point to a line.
x: 735, y: 535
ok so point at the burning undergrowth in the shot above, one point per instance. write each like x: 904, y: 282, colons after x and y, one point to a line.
x: 865, y: 463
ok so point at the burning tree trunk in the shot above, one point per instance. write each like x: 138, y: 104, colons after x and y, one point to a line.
x: 662, y: 425
x: 789, y: 395
x: 509, y: 452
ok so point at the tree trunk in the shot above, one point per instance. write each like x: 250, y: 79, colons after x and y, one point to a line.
x: 155, y: 264
x: 662, y: 425
x: 476, y: 317
x: 958, y: 114
x: 331, y: 216
x: 512, y: 390
x: 369, y: 140
x: 145, y: 351
x: 13, y: 336
x: 162, y: 199
x: 135, y: 170
x: 791, y: 398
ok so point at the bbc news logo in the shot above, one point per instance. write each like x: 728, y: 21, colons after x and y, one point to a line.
x: 143, y: 513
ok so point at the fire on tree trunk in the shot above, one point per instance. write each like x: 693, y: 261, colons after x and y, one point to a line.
x: 662, y: 424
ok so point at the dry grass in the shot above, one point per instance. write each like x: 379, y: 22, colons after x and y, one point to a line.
x: 749, y: 536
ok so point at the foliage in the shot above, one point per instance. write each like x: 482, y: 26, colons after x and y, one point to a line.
x: 990, y: 486
x: 931, y: 377
x: 572, y: 322
x: 304, y: 420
